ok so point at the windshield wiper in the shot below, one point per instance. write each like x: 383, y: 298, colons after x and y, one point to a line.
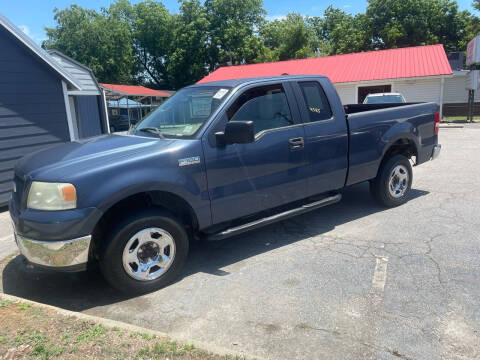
x: 152, y: 130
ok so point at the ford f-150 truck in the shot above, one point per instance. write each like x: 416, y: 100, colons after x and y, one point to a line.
x: 215, y: 160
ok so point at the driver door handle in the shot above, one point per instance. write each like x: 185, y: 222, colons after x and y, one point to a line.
x: 296, y: 143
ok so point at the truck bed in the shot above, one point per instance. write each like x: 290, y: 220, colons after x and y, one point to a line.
x: 373, y: 128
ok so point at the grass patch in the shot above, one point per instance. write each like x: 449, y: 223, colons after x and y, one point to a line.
x: 24, y: 306
x: 32, y: 332
x: 92, y: 332
x: 458, y: 119
x: 4, y: 303
x: 46, y: 352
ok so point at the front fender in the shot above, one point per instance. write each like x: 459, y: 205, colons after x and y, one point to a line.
x: 189, y: 184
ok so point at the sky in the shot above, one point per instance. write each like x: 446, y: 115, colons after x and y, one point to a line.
x: 33, y: 15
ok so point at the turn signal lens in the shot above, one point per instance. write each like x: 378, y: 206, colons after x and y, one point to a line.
x: 69, y: 193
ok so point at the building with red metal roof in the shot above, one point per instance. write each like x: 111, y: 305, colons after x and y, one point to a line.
x: 403, y: 63
x: 419, y: 73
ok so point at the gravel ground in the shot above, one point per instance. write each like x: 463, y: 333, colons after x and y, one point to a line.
x: 349, y: 281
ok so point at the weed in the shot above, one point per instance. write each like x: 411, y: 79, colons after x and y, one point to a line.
x: 146, y: 336
x: 24, y: 337
x: 189, y: 347
x: 4, y: 303
x: 159, y: 349
x: 45, y: 351
x: 3, y: 339
x: 143, y: 352
x: 93, y: 332
x: 24, y: 306
x: 174, y: 348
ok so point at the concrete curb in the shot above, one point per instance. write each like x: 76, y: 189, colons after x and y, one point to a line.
x: 445, y: 126
x: 218, y: 350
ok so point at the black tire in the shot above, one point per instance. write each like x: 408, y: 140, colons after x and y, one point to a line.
x: 379, y: 187
x: 112, y: 129
x: 111, y: 261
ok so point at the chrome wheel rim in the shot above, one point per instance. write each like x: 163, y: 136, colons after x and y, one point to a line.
x: 398, y: 181
x: 148, y: 254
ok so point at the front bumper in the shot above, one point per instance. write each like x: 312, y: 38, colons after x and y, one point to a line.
x: 67, y: 255
x: 436, y: 151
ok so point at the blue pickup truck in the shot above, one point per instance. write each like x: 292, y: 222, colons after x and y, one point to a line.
x: 217, y: 159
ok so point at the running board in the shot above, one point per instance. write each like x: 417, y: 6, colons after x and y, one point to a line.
x: 274, y: 218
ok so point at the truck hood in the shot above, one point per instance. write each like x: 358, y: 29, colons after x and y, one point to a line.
x: 58, y: 162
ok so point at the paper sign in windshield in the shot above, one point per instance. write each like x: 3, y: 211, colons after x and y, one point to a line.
x: 201, y: 106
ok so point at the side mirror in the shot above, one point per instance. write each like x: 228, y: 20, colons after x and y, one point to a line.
x: 236, y: 132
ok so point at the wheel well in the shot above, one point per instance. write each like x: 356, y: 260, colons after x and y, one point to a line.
x: 403, y: 147
x: 151, y: 199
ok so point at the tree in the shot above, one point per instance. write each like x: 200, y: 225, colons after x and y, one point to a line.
x: 289, y: 38
x: 342, y: 33
x: 153, y: 32
x: 232, y: 31
x: 99, y: 41
x: 416, y: 22
x: 476, y: 4
x: 188, y: 60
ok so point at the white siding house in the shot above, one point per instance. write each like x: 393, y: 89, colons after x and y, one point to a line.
x: 414, y: 90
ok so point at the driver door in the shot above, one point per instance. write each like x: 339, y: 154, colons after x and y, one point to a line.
x: 244, y: 179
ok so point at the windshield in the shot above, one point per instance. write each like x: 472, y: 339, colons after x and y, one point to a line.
x: 183, y: 114
x: 384, y: 99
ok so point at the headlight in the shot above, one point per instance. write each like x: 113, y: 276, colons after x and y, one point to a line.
x: 52, y: 196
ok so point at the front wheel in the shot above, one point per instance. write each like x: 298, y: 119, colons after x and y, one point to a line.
x: 145, y: 252
x: 393, y: 182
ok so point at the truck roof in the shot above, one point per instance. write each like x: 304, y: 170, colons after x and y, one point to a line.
x: 236, y: 82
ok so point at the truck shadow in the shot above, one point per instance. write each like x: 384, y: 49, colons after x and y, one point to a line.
x: 82, y: 291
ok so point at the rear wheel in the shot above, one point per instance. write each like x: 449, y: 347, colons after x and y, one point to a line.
x: 145, y: 252
x: 393, y: 182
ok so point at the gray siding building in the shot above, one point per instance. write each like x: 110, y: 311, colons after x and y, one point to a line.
x: 45, y: 99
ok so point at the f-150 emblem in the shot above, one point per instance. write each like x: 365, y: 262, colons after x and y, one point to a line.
x: 189, y: 161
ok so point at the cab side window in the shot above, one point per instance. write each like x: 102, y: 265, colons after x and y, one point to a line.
x: 316, y: 100
x: 266, y: 106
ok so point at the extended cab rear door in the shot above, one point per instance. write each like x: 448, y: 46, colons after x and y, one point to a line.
x: 326, y: 137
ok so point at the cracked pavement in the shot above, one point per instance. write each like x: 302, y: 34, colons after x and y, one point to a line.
x: 311, y: 287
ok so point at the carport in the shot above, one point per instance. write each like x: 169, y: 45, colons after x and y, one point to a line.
x: 131, y: 101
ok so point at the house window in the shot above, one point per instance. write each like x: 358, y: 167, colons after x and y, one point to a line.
x: 363, y: 91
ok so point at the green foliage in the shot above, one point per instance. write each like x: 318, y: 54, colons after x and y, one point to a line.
x: 103, y: 42
x: 92, y: 332
x: 417, y: 22
x: 188, y: 59
x: 289, y: 38
x: 231, y: 31
x: 146, y: 44
x: 342, y: 33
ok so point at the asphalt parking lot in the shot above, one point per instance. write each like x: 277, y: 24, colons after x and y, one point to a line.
x: 349, y: 281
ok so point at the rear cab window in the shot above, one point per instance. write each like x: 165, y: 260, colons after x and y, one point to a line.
x: 318, y: 107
